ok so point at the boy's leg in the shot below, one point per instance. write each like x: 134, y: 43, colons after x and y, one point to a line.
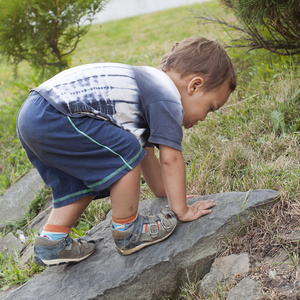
x: 55, y: 246
x: 68, y: 215
x: 125, y: 195
x: 62, y: 219
x: 131, y: 231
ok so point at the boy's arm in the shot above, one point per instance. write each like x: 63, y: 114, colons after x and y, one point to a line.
x: 173, y: 171
x: 151, y: 171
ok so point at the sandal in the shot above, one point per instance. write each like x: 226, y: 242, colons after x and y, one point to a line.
x: 65, y: 250
x: 157, y: 228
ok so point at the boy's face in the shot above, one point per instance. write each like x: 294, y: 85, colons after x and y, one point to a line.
x: 197, y: 102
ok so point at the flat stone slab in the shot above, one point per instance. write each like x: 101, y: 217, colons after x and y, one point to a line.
x: 156, y: 271
x: 11, y: 245
x: 16, y: 200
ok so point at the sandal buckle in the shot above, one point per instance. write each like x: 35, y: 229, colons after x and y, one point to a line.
x: 153, y: 229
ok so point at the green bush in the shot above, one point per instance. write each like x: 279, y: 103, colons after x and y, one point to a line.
x: 44, y: 33
x: 264, y: 24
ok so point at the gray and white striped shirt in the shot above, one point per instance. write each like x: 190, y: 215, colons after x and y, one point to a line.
x: 141, y: 100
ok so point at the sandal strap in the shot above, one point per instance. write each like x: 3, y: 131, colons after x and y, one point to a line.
x: 165, y: 222
x: 153, y: 229
x: 136, y: 228
x: 167, y: 212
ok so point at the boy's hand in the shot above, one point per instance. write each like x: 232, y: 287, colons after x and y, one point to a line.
x: 196, y: 210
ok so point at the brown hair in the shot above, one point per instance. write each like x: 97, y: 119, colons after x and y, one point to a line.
x: 200, y: 56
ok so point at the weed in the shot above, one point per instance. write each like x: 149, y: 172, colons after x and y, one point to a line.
x: 189, y: 289
x: 13, y: 272
x: 294, y: 257
x: 82, y: 227
x: 93, y: 215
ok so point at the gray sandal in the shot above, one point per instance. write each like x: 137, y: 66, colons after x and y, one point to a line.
x: 158, y: 228
x: 65, y: 250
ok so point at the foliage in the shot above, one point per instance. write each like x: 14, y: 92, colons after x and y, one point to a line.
x: 44, y: 33
x: 286, y: 118
x: 268, y: 24
x: 13, y: 160
x: 13, y: 271
x: 93, y: 215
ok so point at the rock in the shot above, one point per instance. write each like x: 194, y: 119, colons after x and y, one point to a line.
x: 11, y: 245
x: 16, y: 200
x: 6, y: 291
x: 281, y: 257
x: 224, y: 269
x: 272, y: 274
x: 21, y: 236
x: 246, y: 289
x: 27, y: 254
x: 156, y: 271
x: 280, y: 262
x: 295, y: 236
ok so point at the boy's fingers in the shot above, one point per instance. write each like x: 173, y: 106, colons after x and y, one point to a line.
x: 200, y: 211
x: 203, y: 212
x: 203, y: 205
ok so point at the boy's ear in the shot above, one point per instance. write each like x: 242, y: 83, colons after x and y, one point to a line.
x: 195, y: 84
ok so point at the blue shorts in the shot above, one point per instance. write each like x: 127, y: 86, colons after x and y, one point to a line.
x: 76, y: 157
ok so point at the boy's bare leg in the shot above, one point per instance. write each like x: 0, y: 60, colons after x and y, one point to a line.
x: 125, y: 194
x: 132, y: 232
x: 55, y: 246
x: 68, y: 215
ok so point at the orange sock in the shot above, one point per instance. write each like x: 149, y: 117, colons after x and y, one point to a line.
x: 55, y: 232
x: 124, y: 221
x: 123, y: 224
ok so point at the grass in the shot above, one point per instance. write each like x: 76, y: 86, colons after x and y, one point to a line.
x: 251, y: 143
x: 14, y: 272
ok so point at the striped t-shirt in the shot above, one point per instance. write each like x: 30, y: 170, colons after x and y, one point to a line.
x: 141, y: 100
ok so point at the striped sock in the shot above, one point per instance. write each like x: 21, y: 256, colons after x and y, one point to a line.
x: 123, y: 224
x: 55, y: 232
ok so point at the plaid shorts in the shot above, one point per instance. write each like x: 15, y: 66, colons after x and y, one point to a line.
x: 76, y: 157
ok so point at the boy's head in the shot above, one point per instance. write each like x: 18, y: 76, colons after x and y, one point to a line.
x: 203, y: 74
x: 200, y: 56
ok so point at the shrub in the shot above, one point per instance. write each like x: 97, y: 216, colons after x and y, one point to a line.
x: 44, y: 33
x: 268, y: 24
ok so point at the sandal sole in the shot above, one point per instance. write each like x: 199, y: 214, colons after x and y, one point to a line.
x: 141, y: 246
x: 60, y: 261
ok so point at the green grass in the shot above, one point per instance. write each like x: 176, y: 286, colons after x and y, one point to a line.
x: 13, y: 272
x: 252, y: 142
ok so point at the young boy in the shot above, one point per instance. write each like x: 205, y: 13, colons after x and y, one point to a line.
x: 91, y: 130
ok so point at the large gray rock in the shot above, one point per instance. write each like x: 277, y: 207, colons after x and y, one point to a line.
x: 16, y: 200
x: 224, y: 269
x: 154, y: 272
